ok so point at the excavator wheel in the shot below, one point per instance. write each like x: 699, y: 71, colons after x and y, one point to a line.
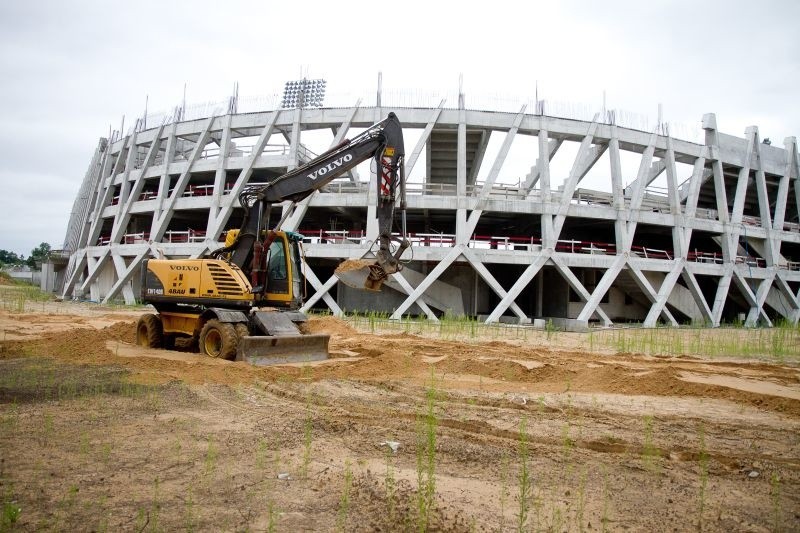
x: 219, y: 339
x: 149, y: 332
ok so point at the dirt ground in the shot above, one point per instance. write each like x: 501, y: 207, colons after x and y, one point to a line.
x: 545, y: 432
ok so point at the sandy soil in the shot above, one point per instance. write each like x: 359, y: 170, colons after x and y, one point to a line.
x: 97, y: 433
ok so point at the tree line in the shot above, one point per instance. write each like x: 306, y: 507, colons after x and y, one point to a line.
x: 35, y: 260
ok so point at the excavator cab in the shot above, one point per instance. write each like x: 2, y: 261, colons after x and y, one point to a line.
x: 282, y: 286
x: 283, y: 282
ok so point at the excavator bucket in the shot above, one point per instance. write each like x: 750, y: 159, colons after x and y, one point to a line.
x: 361, y: 274
x: 282, y: 341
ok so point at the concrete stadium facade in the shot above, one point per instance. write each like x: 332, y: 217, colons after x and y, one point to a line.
x: 717, y: 241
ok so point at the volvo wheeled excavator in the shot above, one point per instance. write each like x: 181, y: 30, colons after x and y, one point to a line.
x: 242, y: 300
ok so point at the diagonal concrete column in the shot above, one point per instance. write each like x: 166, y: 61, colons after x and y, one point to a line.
x: 105, y: 191
x: 756, y: 309
x: 408, y: 289
x: 77, y: 269
x: 490, y: 280
x: 723, y: 286
x: 429, y: 279
x: 127, y: 290
x: 757, y: 306
x: 644, y: 284
x: 785, y: 293
x: 602, y: 287
x: 124, y: 216
x: 697, y: 294
x: 125, y: 276
x: 423, y: 139
x: 578, y: 287
x: 696, y: 179
x: 217, y: 219
x: 517, y: 288
x: 472, y: 221
x: 220, y: 174
x: 321, y: 292
x: 95, y: 266
x: 659, y: 305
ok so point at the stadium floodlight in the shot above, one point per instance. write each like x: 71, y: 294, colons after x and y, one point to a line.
x: 303, y: 93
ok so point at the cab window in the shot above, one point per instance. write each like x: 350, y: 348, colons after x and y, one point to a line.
x: 276, y: 268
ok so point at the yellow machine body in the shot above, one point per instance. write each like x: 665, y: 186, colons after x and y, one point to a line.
x: 213, y: 302
x: 218, y: 283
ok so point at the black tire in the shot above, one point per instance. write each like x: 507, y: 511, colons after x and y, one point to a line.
x: 149, y: 332
x: 168, y: 341
x: 218, y: 339
x: 241, y: 330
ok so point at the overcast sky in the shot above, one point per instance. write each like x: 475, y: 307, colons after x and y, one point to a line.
x: 69, y: 70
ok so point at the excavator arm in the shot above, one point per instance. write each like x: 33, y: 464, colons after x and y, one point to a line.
x: 384, y: 143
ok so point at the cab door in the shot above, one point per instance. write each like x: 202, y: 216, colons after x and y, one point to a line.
x: 279, y: 272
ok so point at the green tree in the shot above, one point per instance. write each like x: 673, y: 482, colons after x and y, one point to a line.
x: 38, y: 255
x: 9, y: 258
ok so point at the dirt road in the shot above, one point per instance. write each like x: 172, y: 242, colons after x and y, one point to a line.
x: 546, y: 430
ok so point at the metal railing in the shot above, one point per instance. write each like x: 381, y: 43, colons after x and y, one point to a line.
x: 478, y: 242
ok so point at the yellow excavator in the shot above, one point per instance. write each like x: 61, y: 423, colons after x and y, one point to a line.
x: 242, y: 301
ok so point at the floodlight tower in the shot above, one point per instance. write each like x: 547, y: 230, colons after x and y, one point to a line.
x: 303, y: 93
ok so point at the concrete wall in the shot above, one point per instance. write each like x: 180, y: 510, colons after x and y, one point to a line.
x: 555, y: 297
x: 33, y: 277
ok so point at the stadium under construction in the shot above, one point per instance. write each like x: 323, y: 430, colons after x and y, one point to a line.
x: 609, y: 222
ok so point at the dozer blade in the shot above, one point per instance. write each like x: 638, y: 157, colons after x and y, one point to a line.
x: 281, y: 349
x: 361, y: 274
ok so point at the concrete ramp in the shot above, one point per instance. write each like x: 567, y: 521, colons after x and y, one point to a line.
x: 440, y: 295
x: 679, y: 298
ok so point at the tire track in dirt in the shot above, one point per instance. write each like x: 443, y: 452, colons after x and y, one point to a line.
x: 485, y: 434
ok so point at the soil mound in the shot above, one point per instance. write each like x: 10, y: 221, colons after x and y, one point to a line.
x: 328, y: 324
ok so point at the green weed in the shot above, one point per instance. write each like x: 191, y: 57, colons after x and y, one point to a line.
x: 10, y: 515
x: 344, y: 500
x: 273, y: 515
x: 775, y: 495
x: 503, y: 489
x: 155, y: 508
x: 188, y: 512
x: 525, y: 477
x: 779, y: 343
x: 261, y: 454
x: 210, y: 462
x: 426, y: 458
x: 650, y: 453
x: 581, y: 498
